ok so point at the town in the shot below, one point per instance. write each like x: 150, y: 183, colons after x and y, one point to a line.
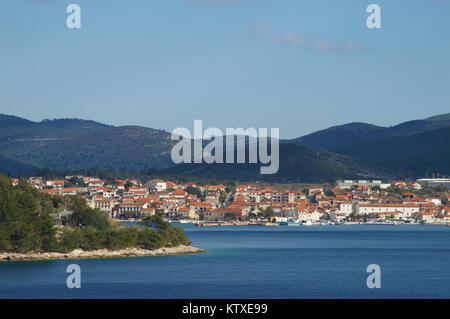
x: 346, y: 202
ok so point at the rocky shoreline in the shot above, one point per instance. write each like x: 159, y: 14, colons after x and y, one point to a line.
x: 102, y: 253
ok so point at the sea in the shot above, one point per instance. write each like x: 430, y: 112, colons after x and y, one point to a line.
x: 259, y: 262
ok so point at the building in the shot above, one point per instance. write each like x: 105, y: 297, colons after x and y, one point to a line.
x: 157, y: 185
x: 406, y: 209
x: 347, y: 184
x: 132, y: 209
x: 433, y: 182
x: 104, y: 204
x: 187, y: 212
x: 346, y: 208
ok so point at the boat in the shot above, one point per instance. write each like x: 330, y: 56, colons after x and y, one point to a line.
x: 297, y: 223
x: 290, y: 222
x: 307, y: 223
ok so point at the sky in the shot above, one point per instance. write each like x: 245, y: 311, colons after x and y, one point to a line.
x: 296, y: 65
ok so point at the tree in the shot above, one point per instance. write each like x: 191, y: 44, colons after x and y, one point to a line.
x: 229, y: 216
x: 85, y: 216
x: 330, y: 193
x: 26, y: 224
x: 154, y: 221
x: 268, y: 212
x: 223, y: 197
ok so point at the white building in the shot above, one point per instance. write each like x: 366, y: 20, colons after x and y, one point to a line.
x: 157, y: 184
x: 382, y: 208
x: 346, y: 184
x: 435, y: 181
x: 346, y: 208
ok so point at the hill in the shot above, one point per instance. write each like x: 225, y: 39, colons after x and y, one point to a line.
x: 297, y: 164
x: 417, y: 155
x: 73, y: 144
x: 14, y: 168
x: 355, y: 150
x: 337, y: 136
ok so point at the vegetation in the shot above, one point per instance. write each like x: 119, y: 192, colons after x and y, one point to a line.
x: 347, y: 134
x: 421, y: 155
x: 73, y: 144
x: 297, y: 164
x: 408, y: 150
x: 26, y: 225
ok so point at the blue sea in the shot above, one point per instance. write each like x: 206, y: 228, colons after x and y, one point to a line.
x: 258, y: 262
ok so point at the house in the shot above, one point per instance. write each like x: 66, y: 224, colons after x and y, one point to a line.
x: 310, y: 216
x: 212, y: 197
x: 414, y: 185
x: 104, y: 204
x: 408, y: 195
x: 58, y: 184
x: 375, y: 208
x: 157, y: 185
x: 398, y: 184
x: 150, y: 211
x: 69, y: 191
x: 96, y: 183
x: 87, y: 179
x: 36, y: 182
x: 428, y: 217
x: 187, y: 213
x: 212, y: 215
x: 132, y: 209
x: 346, y: 208
x: 53, y: 192
x: 313, y: 190
x: 346, y: 184
x: 201, y: 206
x: 179, y: 193
x: 434, y: 200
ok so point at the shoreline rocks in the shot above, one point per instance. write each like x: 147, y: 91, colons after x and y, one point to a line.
x: 102, y: 253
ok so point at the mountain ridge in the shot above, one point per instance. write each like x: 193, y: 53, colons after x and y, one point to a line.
x: 75, y: 144
x: 355, y: 132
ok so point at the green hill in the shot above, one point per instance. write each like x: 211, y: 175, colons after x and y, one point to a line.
x: 364, y: 151
x: 297, y: 164
x: 417, y: 155
x: 72, y: 144
x: 337, y: 136
x: 14, y: 168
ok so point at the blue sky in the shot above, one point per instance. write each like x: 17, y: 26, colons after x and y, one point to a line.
x: 299, y: 65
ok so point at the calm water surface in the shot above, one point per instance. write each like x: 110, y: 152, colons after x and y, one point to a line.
x: 258, y: 262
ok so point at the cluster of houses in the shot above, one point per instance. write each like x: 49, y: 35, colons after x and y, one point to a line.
x: 348, y: 200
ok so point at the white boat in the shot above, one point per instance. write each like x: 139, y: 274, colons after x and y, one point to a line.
x: 307, y: 223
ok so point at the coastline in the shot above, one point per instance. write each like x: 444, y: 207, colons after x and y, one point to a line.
x: 102, y: 253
